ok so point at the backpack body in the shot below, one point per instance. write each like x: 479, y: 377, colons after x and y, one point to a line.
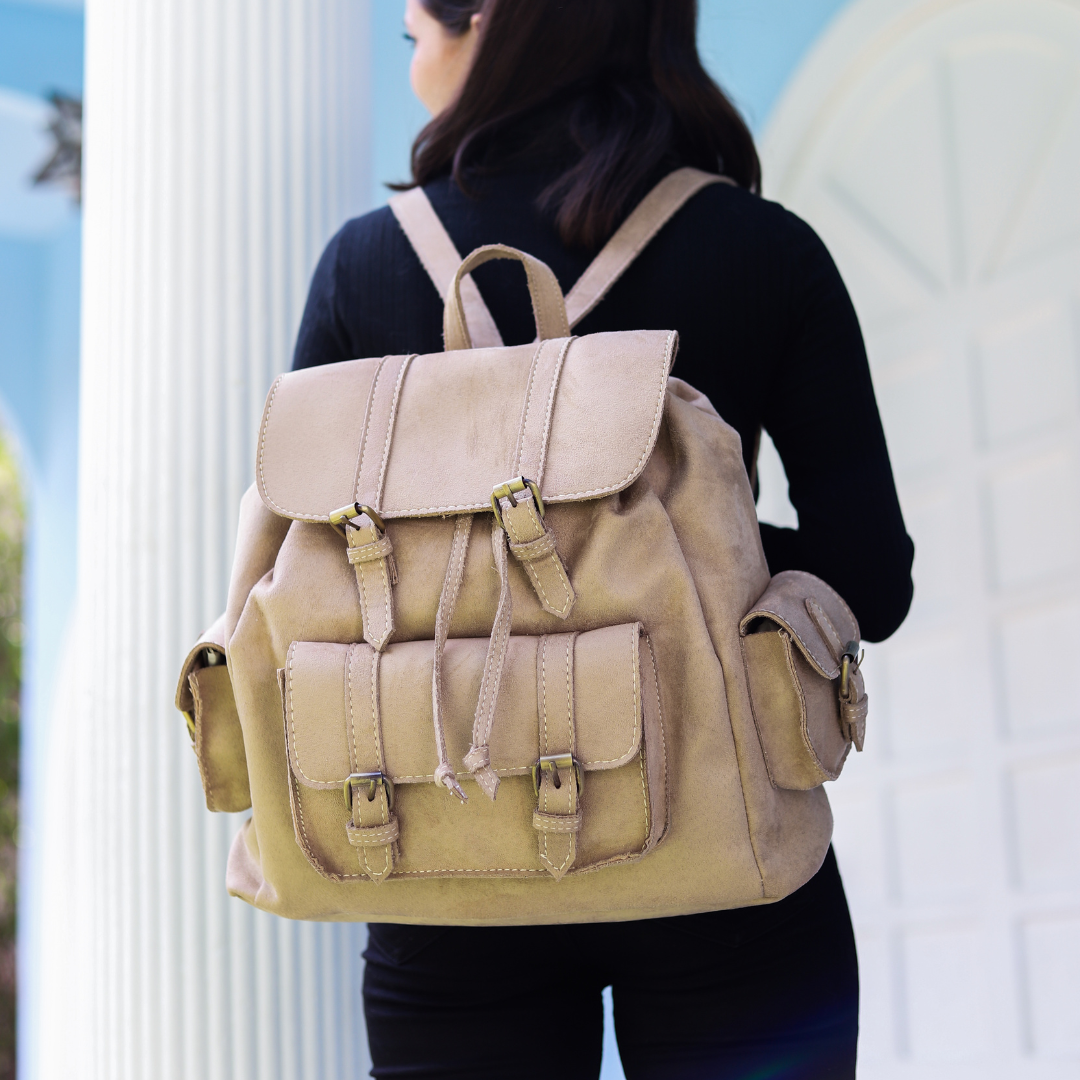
x: 502, y: 646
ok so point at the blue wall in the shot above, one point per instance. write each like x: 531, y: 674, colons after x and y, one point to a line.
x: 41, y: 50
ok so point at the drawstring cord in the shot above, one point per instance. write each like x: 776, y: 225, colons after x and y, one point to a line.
x: 455, y: 571
x: 478, y: 759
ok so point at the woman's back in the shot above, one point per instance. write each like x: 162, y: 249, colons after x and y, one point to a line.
x: 766, y: 331
x: 550, y: 121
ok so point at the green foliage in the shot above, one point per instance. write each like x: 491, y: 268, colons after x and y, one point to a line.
x: 11, y: 555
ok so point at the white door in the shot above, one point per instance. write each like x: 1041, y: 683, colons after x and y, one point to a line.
x: 935, y: 145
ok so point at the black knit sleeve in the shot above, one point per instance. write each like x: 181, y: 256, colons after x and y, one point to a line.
x: 820, y: 410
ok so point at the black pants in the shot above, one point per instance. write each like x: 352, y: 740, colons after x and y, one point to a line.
x: 764, y: 993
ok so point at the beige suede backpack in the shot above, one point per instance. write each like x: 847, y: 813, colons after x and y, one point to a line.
x: 501, y: 644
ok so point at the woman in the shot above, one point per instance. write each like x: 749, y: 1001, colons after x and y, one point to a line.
x: 551, y: 120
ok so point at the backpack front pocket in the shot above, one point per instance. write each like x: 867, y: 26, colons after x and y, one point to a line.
x: 577, y: 744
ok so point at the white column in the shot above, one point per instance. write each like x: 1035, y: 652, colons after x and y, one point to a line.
x: 226, y: 141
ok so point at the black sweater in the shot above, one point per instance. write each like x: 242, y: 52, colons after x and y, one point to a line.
x: 766, y: 330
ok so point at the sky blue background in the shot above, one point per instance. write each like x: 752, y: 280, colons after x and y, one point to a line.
x: 751, y: 46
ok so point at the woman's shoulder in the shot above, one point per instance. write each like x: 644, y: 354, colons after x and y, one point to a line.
x: 361, y: 239
x: 735, y: 215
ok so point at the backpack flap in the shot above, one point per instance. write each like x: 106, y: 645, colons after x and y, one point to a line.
x: 452, y: 429
x: 359, y: 730
x: 801, y: 650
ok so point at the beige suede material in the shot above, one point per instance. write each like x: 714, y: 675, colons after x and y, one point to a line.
x: 793, y: 641
x: 440, y: 258
x: 330, y: 697
x: 465, y: 408
x: 549, y: 308
x: 219, y: 741
x: 204, y: 695
x: 664, y: 716
x: 609, y: 709
x: 660, y: 552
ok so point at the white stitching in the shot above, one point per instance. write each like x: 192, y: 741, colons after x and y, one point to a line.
x: 636, y: 632
x: 490, y: 870
x: 660, y: 718
x: 387, y: 613
x: 350, y: 722
x: 368, y: 413
x: 645, y: 794
x: 520, y: 449
x: 571, y: 840
x: 391, y: 421
x: 569, y: 701
x: 375, y: 718
x: 262, y: 439
x: 550, y: 412
x: 290, y: 656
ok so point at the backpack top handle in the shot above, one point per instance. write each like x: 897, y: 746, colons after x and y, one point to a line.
x: 549, y: 306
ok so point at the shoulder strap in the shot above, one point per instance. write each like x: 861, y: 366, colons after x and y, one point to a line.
x: 440, y: 258
x: 631, y: 238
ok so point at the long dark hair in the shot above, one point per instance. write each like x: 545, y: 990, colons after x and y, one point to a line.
x: 615, y: 89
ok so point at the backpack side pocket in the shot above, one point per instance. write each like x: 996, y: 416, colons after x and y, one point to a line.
x: 800, y: 647
x: 205, y: 696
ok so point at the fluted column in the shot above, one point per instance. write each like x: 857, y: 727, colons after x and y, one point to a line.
x: 226, y: 140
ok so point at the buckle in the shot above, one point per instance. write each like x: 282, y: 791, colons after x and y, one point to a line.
x: 850, y: 660
x: 552, y: 763
x: 509, y: 490
x: 369, y: 780
x: 338, y: 518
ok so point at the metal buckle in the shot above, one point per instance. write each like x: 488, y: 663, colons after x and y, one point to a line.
x: 552, y: 763
x: 339, y: 517
x: 509, y: 490
x: 850, y: 660
x: 370, y: 780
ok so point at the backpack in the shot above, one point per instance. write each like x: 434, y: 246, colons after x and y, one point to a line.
x: 501, y: 643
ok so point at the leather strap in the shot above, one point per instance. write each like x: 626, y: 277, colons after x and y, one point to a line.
x: 379, y: 420
x: 440, y: 258
x: 372, y: 827
x: 558, y: 812
x: 549, y: 308
x: 632, y: 237
x: 854, y: 707
x: 371, y: 554
x: 531, y: 456
x: 853, y: 711
x: 532, y: 543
